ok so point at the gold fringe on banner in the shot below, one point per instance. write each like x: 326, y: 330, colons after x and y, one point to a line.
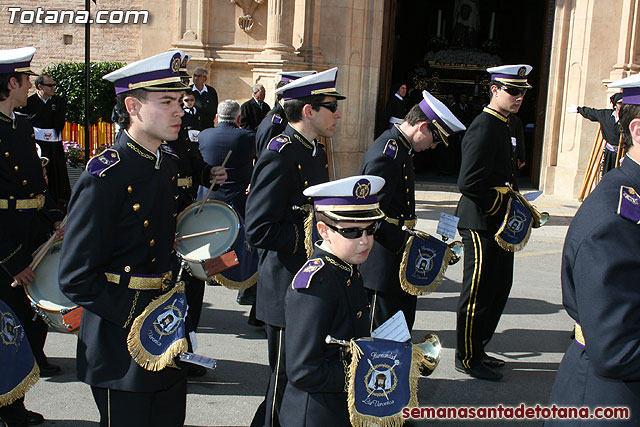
x: 427, y: 289
x: 138, y: 353
x: 29, y: 381
x: 232, y: 284
x: 360, y: 420
x: 510, y: 246
x: 308, y: 229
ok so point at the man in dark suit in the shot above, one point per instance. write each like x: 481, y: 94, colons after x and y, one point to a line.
x: 276, y: 120
x: 291, y: 162
x: 254, y: 110
x: 127, y: 200
x: 488, y: 269
x: 391, y: 157
x: 215, y: 144
x: 48, y: 112
x: 600, y: 270
x: 206, y: 97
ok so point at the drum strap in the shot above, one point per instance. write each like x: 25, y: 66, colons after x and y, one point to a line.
x: 141, y: 283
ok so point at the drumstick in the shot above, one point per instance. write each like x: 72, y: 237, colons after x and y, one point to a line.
x: 42, y: 251
x: 204, y: 233
x: 213, y: 183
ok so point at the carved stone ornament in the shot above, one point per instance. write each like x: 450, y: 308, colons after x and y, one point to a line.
x: 248, y: 7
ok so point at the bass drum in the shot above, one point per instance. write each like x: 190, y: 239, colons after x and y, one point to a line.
x: 46, y: 297
x: 215, y: 215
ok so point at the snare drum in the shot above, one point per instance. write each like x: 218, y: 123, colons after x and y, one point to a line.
x: 195, y: 250
x: 46, y: 297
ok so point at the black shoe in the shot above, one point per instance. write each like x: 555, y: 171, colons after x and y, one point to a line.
x: 479, y: 371
x: 492, y: 362
x: 196, y: 371
x: 255, y: 322
x: 48, y: 370
x: 34, y: 418
x: 246, y: 300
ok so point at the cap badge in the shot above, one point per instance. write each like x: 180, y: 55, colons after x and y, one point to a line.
x: 522, y: 71
x: 175, y: 63
x: 362, y: 189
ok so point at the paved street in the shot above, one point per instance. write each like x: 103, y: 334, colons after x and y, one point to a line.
x: 531, y: 337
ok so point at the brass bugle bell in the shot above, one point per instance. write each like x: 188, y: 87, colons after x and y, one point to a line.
x: 457, y: 248
x: 541, y: 218
x: 331, y: 340
x: 431, y: 347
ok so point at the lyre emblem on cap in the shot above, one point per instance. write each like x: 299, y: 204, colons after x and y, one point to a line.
x: 184, y: 62
x: 522, y: 71
x: 175, y: 63
x: 362, y: 189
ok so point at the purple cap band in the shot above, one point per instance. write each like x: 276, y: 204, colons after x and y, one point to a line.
x: 431, y: 115
x: 286, y: 79
x: 631, y: 95
x: 10, y: 68
x: 508, y: 76
x: 300, y: 92
x: 345, y: 201
x: 122, y: 85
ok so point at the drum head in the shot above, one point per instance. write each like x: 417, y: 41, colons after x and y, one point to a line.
x: 214, y: 215
x: 45, y: 288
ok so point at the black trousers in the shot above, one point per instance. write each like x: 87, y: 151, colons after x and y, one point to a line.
x: 166, y: 408
x: 195, y: 294
x: 33, y: 325
x: 267, y: 414
x: 486, y: 283
x: 386, y: 304
x: 58, y: 180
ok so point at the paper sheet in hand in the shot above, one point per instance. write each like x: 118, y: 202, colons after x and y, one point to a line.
x: 448, y: 225
x: 394, y: 329
x: 198, y: 359
x: 532, y: 196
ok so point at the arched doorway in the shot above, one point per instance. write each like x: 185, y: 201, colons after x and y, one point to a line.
x: 445, y: 46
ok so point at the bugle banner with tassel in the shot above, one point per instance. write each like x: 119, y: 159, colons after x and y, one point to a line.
x: 158, y: 334
x: 19, y: 369
x: 424, y: 262
x: 520, y: 217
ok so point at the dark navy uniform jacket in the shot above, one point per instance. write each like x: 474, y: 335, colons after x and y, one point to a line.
x: 287, y: 166
x: 193, y: 171
x: 326, y: 297
x: 390, y: 158
x: 49, y: 115
x: 608, y: 125
x: 214, y: 146
x: 600, y: 291
x: 21, y: 177
x: 122, y: 220
x: 486, y: 163
x: 271, y: 126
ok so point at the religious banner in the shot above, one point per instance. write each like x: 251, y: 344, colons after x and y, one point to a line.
x: 20, y: 371
x: 424, y: 262
x: 158, y: 334
x: 383, y: 379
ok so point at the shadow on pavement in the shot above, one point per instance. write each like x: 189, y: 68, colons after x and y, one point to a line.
x: 232, y: 378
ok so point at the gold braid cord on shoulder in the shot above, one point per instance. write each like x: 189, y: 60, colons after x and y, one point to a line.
x: 421, y: 290
x: 138, y: 353
x: 357, y: 419
x: 19, y: 391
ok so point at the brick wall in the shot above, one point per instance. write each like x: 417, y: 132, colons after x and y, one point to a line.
x: 108, y: 42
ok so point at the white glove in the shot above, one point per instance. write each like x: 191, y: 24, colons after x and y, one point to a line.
x: 572, y: 109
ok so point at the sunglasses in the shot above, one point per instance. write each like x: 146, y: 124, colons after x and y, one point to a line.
x: 355, y: 232
x: 48, y: 84
x: 437, y: 138
x: 331, y: 106
x: 514, y: 91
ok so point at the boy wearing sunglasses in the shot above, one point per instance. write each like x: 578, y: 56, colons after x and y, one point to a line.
x: 327, y: 297
x: 488, y: 269
x: 391, y: 157
x: 290, y: 163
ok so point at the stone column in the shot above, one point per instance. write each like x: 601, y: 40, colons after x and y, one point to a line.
x: 279, y: 30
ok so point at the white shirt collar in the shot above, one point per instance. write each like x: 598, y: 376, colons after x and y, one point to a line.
x: 204, y: 89
x: 399, y: 97
x: 42, y: 99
